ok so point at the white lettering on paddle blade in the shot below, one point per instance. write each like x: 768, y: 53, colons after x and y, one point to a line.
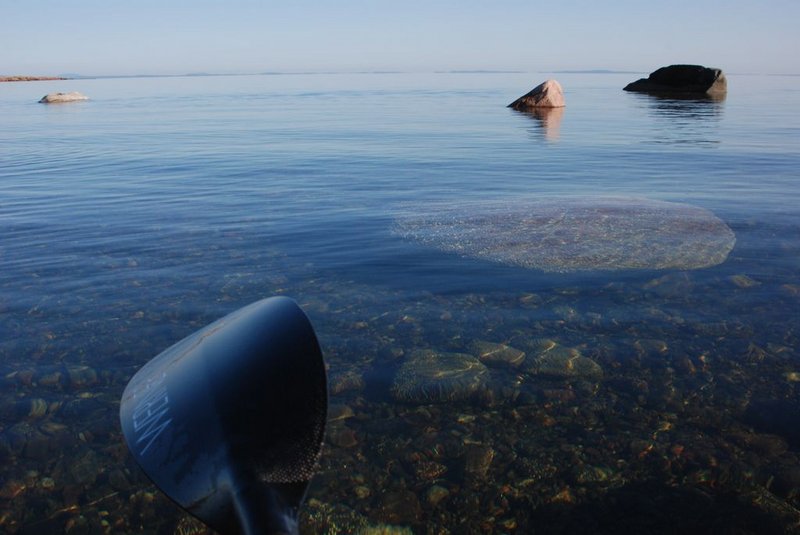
x: 151, y: 415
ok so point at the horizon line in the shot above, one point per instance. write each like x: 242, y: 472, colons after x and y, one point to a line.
x: 77, y: 76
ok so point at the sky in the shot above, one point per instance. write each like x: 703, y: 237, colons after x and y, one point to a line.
x: 126, y: 37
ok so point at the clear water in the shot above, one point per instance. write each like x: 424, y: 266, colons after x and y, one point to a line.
x: 133, y: 219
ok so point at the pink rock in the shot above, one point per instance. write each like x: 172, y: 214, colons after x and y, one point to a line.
x: 545, y: 95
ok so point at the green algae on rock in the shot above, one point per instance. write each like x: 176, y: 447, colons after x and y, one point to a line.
x: 432, y: 377
x: 570, y: 234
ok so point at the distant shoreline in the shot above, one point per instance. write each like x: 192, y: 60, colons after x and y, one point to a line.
x: 29, y: 78
x: 71, y: 76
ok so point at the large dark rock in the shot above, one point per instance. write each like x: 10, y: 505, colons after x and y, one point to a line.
x: 682, y: 79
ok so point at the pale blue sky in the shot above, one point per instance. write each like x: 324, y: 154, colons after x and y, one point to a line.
x: 106, y: 37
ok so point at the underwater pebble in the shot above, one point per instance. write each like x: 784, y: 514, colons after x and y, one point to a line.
x: 37, y: 446
x: 592, y: 474
x: 11, y: 489
x: 791, y: 289
x: 530, y: 300
x: 338, y: 412
x: 564, y: 496
x: 509, y: 523
x: 346, y: 382
x: 533, y: 470
x: 81, y: 376
x: 565, y: 363
x: 343, y: 437
x: 561, y: 395
x: 52, y: 379
x: 478, y: 458
x: 317, y: 517
x: 671, y: 285
x: 118, y: 480
x: 566, y: 313
x: 432, y: 377
x: 399, y: 507
x: 429, y: 470
x: 77, y: 525
x: 765, y: 444
x: 37, y: 408
x: 650, y: 347
x: 22, y: 377
x: 743, y: 281
x: 85, y: 469
x: 493, y: 353
x: 435, y: 494
x: 465, y: 418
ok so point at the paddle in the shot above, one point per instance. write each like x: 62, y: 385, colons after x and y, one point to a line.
x: 229, y: 421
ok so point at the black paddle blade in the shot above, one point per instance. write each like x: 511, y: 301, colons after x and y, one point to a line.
x: 229, y: 421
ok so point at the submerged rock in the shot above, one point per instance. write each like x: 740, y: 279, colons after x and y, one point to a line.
x: 399, y: 507
x: 431, y: 377
x: 345, y: 382
x: 436, y: 494
x: 693, y: 79
x: 318, y: 517
x: 477, y: 459
x: 429, y: 470
x: 574, y: 234
x: 81, y: 376
x: 56, y: 98
x: 548, y: 94
x: 776, y: 416
x: 560, y: 361
x: 497, y: 354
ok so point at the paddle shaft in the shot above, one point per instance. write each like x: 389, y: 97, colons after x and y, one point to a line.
x: 263, y: 511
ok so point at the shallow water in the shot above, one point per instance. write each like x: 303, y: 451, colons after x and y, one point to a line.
x: 133, y: 219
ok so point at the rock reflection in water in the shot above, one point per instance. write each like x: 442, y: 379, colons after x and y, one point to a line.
x: 689, y: 119
x: 548, y: 121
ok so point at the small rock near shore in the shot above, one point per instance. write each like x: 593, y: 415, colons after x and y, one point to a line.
x: 54, y: 98
x: 548, y: 94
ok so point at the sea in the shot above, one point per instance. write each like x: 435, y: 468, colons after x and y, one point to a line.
x: 469, y: 391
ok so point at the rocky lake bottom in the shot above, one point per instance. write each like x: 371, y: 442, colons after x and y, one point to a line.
x: 627, y: 406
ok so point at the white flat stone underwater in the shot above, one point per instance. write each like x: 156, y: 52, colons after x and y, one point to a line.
x: 568, y: 234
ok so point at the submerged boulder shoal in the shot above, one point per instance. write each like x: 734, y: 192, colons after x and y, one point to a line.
x: 574, y: 234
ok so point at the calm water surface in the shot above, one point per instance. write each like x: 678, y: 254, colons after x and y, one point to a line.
x: 133, y: 219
